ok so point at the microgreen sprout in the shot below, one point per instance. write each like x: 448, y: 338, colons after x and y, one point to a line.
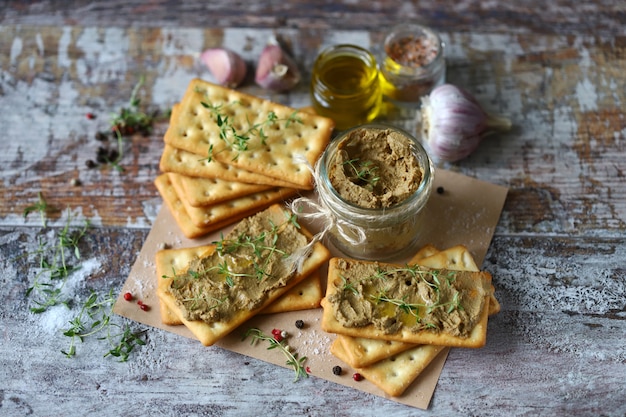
x: 56, y: 261
x: 364, y: 172
x: 42, y: 207
x: 292, y: 358
x: 94, y: 318
x: 238, y: 138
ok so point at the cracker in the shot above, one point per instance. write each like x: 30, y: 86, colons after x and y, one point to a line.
x: 210, y: 332
x: 205, y: 216
x: 276, y: 155
x: 177, y: 209
x: 394, y: 374
x: 480, y: 287
x: 202, y: 192
x: 305, y: 295
x: 360, y: 351
x: 186, y: 163
x: 195, y: 222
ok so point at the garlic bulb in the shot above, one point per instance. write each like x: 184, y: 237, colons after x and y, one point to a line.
x: 226, y: 66
x: 454, y: 123
x: 276, y: 70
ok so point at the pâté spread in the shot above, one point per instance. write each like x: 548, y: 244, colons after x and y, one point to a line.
x: 247, y: 265
x: 375, y: 168
x: 393, y: 298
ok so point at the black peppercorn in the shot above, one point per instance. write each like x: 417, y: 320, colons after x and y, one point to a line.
x: 440, y: 190
x: 90, y: 163
x: 337, y: 370
x: 299, y: 324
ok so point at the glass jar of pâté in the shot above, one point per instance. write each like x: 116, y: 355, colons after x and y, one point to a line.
x: 374, y: 181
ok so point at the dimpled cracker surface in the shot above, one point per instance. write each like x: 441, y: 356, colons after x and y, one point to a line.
x: 393, y: 375
x: 182, y: 162
x: 201, y: 221
x: 278, y: 155
x: 200, y: 192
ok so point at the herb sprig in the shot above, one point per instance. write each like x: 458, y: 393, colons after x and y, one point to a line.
x: 364, y: 171
x: 94, y: 318
x: 42, y: 207
x: 292, y: 358
x: 238, y: 139
x: 56, y: 262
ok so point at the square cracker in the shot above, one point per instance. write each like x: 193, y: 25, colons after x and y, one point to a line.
x: 305, y: 295
x: 186, y: 163
x: 210, y: 332
x: 214, y: 217
x: 393, y: 366
x: 394, y: 374
x: 475, y: 339
x: 205, y: 216
x: 277, y: 155
x: 360, y: 351
x: 202, y: 192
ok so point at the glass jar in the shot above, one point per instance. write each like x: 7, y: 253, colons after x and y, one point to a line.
x: 374, y: 233
x: 413, y: 64
x: 345, y: 85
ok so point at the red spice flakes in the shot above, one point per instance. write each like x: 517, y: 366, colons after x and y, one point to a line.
x: 412, y: 51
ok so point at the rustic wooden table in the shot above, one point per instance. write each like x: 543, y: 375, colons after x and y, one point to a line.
x: 558, y: 70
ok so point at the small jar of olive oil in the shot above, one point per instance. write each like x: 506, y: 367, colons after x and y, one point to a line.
x: 345, y: 86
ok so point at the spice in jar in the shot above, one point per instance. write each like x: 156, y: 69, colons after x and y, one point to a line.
x: 345, y: 85
x: 374, y: 180
x: 413, y: 64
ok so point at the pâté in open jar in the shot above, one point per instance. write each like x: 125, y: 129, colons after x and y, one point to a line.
x: 375, y: 180
x: 413, y: 64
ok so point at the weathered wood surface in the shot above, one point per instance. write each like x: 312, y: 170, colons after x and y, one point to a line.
x: 558, y: 255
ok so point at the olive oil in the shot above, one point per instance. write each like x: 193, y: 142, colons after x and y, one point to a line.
x: 345, y: 86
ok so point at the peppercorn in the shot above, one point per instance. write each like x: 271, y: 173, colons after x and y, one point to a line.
x: 337, y: 370
x: 440, y: 190
x: 128, y: 296
x: 90, y: 163
x: 299, y: 324
x: 101, y: 136
x: 357, y: 376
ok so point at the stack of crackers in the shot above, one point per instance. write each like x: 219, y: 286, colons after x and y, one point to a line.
x: 389, y: 362
x: 228, y: 155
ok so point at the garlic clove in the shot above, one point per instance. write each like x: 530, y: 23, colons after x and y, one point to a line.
x: 226, y: 66
x: 276, y: 70
x: 454, y: 123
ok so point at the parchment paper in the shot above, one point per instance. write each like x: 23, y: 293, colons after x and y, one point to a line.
x: 466, y: 212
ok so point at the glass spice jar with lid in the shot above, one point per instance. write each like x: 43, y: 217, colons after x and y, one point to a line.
x: 413, y: 64
x: 373, y: 182
x: 345, y: 85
